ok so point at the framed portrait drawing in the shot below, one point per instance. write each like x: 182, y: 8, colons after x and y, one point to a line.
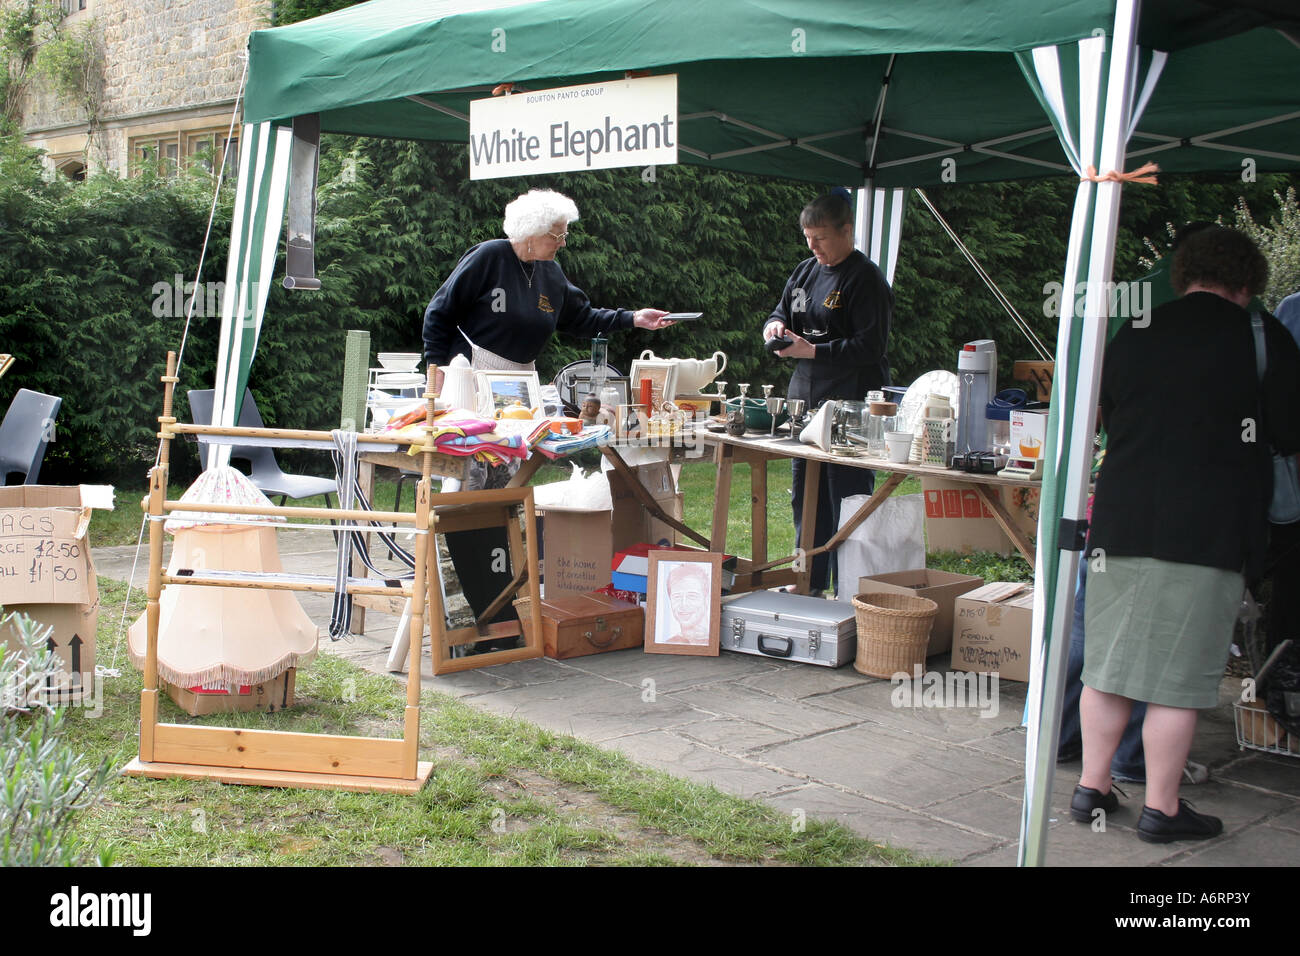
x: 683, y: 602
x: 498, y: 391
x: 663, y: 381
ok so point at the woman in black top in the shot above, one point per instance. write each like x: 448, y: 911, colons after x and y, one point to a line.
x: 506, y: 297
x: 1180, y: 517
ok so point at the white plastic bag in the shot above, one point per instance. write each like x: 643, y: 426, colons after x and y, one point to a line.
x: 580, y: 493
x: 891, y: 539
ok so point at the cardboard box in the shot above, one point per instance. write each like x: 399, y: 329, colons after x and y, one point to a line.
x: 992, y: 628
x: 1028, y: 433
x: 46, y: 571
x: 577, y: 545
x: 631, y: 522
x: 74, y: 642
x: 941, y: 587
x: 44, y: 558
x: 576, y: 548
x: 275, y: 694
x: 957, y: 519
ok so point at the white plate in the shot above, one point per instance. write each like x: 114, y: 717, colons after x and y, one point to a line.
x: 399, y: 379
x: 936, y: 382
x: 399, y: 361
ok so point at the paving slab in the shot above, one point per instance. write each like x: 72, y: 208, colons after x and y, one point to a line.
x: 589, y: 707
x: 669, y: 672
x: 985, y: 810
x: 1262, y: 846
x: 896, y: 826
x: 1268, y: 772
x: 732, y: 735
x: 749, y: 703
x: 686, y: 758
x: 897, y: 768
x: 798, y: 681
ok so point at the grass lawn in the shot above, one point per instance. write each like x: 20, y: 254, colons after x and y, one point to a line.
x: 502, y: 792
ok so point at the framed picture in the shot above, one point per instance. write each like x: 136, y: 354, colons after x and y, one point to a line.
x: 500, y: 390
x: 582, y: 387
x: 663, y: 379
x: 683, y: 602
x: 628, y: 421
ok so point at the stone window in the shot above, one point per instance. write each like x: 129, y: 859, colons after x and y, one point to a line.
x: 73, y: 6
x: 72, y: 165
x: 201, y: 148
x: 207, y: 147
x: 160, y: 153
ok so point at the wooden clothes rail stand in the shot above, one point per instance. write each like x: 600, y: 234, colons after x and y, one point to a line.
x: 283, y: 758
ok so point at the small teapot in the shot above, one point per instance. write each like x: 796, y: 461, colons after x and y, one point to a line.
x: 517, y: 410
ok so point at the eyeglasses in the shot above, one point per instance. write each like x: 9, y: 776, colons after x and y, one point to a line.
x: 560, y: 238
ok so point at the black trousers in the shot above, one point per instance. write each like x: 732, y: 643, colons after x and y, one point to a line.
x: 837, y: 483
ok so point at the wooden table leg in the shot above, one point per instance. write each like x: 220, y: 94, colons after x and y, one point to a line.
x: 527, y: 468
x: 993, y: 498
x: 722, y: 498
x: 812, y: 477
x: 646, y: 499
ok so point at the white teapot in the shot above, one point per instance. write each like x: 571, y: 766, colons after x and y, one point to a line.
x: 693, y: 375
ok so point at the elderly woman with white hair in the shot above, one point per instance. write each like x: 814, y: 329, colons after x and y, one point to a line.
x: 507, y: 296
x: 500, y: 307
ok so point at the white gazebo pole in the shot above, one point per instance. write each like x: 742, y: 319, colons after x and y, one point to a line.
x: 1048, y: 675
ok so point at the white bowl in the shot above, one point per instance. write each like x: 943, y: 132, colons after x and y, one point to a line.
x: 400, y: 361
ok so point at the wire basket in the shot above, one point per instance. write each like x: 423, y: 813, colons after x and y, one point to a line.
x: 1257, y: 730
x: 893, y: 632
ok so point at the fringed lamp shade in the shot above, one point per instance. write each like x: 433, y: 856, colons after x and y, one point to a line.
x: 217, y: 637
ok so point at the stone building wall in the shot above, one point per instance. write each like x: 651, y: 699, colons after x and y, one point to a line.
x: 170, y: 67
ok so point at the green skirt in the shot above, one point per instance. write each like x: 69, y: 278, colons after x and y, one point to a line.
x: 1159, y: 631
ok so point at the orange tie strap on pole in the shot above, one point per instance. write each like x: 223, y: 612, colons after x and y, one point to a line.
x: 1143, y: 174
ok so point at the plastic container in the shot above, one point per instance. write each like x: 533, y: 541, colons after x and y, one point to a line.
x: 899, y: 445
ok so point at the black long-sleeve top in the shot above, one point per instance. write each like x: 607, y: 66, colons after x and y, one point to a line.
x: 488, y: 295
x: 853, y: 304
x: 1187, y: 476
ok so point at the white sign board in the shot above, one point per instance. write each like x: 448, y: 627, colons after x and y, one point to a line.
x: 597, y: 126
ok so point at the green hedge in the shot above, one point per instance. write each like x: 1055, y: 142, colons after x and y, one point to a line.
x: 81, y: 266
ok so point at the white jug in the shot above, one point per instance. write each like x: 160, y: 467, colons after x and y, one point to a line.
x: 693, y: 375
x: 458, y: 384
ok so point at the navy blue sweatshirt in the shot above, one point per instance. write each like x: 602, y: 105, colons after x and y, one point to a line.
x: 853, y: 304
x: 488, y: 296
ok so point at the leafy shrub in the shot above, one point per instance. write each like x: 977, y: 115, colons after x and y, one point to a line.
x: 44, y: 784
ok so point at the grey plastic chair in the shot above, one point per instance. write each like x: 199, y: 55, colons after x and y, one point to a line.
x: 25, y: 434
x: 264, y: 471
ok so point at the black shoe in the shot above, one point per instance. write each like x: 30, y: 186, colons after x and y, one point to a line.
x: 1086, y: 800
x: 1187, y: 824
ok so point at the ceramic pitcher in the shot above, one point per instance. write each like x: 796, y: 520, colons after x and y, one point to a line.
x: 693, y: 375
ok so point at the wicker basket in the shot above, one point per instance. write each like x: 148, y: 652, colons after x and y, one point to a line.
x: 893, y: 632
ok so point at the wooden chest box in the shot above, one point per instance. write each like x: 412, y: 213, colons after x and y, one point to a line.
x: 275, y: 694
x: 574, y: 625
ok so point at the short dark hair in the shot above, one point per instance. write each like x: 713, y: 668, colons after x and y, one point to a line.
x: 1219, y: 256
x: 829, y: 210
